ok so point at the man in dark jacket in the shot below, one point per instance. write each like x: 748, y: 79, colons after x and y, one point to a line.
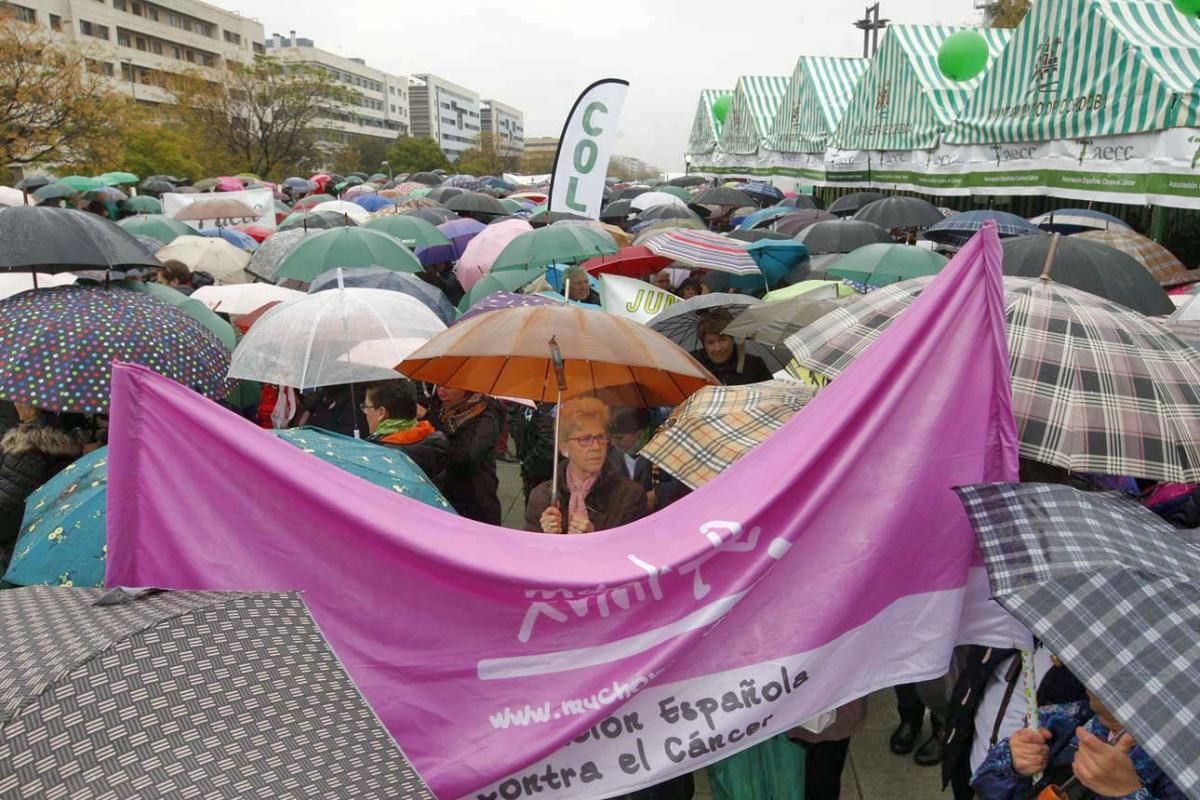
x: 30, y: 454
x: 391, y: 412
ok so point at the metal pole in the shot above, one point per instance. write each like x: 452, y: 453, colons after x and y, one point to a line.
x: 556, y: 358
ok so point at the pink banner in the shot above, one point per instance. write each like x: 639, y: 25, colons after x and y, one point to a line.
x: 832, y: 561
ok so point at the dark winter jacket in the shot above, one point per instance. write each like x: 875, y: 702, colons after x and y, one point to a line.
x: 30, y: 455
x: 614, y: 500
x: 471, y: 485
x: 754, y: 369
x: 428, y: 452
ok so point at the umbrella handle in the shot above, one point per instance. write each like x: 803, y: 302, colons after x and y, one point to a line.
x: 1049, y: 265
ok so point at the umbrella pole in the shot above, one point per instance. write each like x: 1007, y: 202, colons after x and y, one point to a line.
x: 556, y: 358
x: 1029, y: 675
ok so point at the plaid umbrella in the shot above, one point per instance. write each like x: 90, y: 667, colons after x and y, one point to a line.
x: 957, y: 230
x: 57, y: 346
x: 761, y: 191
x: 1096, y: 387
x: 1112, y: 590
x: 703, y: 250
x: 267, y: 705
x: 1161, y: 262
x: 719, y: 424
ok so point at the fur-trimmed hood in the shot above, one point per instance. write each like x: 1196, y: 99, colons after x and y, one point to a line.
x: 29, y: 438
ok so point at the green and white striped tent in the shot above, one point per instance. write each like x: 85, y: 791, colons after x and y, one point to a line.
x: 817, y: 97
x: 752, y: 113
x: 706, y: 128
x: 1080, y: 68
x: 903, y: 102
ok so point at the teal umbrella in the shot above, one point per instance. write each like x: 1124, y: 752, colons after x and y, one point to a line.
x: 55, y: 191
x: 414, y: 232
x: 883, y: 264
x: 507, y: 281
x: 345, y: 247
x: 62, y: 540
x: 156, y: 226
x: 555, y: 244
x: 118, y: 179
x: 142, y: 204
x: 81, y: 183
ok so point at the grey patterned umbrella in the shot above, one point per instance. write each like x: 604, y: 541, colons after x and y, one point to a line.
x: 1096, y: 387
x: 266, y: 258
x: 1115, y: 593
x: 182, y: 694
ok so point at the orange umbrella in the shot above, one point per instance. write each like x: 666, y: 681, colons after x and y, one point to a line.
x: 507, y: 352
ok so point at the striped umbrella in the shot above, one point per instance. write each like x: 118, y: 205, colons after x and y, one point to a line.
x: 704, y: 250
x: 1161, y: 262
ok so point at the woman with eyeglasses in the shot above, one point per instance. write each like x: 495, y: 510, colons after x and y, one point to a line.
x: 592, y: 494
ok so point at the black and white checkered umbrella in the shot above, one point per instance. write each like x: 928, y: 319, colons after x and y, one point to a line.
x: 1096, y: 387
x: 1114, y: 592
x: 181, y: 695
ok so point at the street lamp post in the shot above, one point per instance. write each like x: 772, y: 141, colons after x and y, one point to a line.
x: 387, y: 164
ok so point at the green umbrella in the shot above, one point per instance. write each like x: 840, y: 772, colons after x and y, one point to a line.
x: 55, y: 191
x: 512, y: 206
x: 415, y: 232
x: 883, y: 264
x: 676, y: 191
x: 420, y: 192
x: 118, y: 179
x: 346, y: 247
x: 157, y: 226
x: 142, y: 204
x: 508, y: 281
x: 81, y: 183
x: 556, y: 244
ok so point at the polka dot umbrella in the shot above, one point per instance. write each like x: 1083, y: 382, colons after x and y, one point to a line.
x: 57, y: 346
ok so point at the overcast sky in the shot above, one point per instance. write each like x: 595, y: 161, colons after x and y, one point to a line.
x: 538, y: 55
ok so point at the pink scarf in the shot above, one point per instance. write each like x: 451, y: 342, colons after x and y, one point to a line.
x: 579, y: 489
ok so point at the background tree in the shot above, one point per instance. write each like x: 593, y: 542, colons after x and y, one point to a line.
x: 52, y: 109
x: 261, y: 114
x: 1006, y: 13
x: 537, y: 163
x: 411, y: 154
x: 363, y: 154
x: 151, y: 141
x: 487, y: 158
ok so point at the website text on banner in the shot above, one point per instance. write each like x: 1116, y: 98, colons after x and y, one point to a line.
x: 586, y: 145
x: 830, y: 562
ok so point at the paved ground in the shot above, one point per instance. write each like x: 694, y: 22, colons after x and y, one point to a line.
x: 872, y: 773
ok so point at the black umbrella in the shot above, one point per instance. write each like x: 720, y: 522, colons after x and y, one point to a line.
x: 34, y: 182
x: 476, y: 203
x: 687, y: 180
x: 618, y: 209
x: 849, y: 205
x: 175, y: 694
x: 799, y: 201
x: 630, y: 192
x: 434, y: 216
x: 55, y: 191
x: 427, y: 178
x: 1089, y: 266
x: 724, y: 196
x: 318, y: 220
x: 156, y: 186
x: 44, y: 239
x: 757, y: 235
x: 901, y: 212
x: 792, y: 224
x: 543, y: 218
x: 841, y: 236
x: 443, y: 193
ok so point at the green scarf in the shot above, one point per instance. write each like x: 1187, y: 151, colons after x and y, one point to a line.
x: 390, y: 426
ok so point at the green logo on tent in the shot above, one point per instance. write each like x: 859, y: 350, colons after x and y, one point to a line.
x: 1083, y: 149
x: 1195, y: 156
x: 1045, y: 67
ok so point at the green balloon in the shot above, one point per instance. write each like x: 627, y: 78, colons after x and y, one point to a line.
x: 963, y: 56
x: 1189, y: 7
x: 720, y: 107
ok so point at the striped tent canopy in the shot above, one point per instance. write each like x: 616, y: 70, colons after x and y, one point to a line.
x: 1079, y: 68
x: 752, y: 113
x: 817, y: 96
x: 706, y: 128
x: 903, y: 101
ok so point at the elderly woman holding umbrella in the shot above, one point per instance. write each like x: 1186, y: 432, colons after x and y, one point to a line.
x: 592, y: 494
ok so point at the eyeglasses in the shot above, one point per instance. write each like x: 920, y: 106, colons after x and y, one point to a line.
x: 588, y: 441
x: 365, y: 408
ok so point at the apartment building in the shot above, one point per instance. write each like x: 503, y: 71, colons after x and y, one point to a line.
x: 382, y: 109
x: 137, y: 43
x: 506, y: 124
x: 445, y: 112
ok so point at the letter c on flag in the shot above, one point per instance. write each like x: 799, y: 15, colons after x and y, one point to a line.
x: 588, y: 127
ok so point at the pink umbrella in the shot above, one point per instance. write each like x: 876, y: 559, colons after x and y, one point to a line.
x: 227, y: 184
x: 483, y: 250
x: 354, y: 191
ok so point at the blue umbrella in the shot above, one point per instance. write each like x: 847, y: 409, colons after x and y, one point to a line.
x: 461, y: 232
x: 776, y: 258
x: 373, y: 202
x: 62, y: 540
x: 236, y: 238
x: 761, y: 191
x: 956, y: 230
x: 765, y: 215
x: 379, y: 278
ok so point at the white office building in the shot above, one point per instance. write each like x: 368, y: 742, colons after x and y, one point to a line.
x: 445, y: 112
x: 506, y: 124
x: 382, y: 108
x: 137, y: 43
